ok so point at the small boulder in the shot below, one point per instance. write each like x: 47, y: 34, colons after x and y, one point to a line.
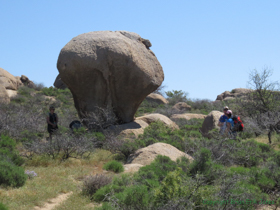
x: 58, y: 83
x: 156, y: 98
x: 4, y: 97
x: 187, y: 116
x: 182, y: 106
x: 145, y: 156
x: 150, y: 118
x: 210, y: 122
x: 134, y: 128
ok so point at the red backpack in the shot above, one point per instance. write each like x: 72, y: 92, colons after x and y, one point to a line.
x: 238, y: 125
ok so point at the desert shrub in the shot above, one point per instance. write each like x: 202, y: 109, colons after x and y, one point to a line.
x: 3, y: 207
x: 167, y: 110
x: 25, y: 91
x: 38, y: 86
x: 7, y: 150
x: 146, y: 107
x: 176, y: 96
x: 63, y: 146
x: 93, y: 183
x: 114, y: 166
x: 11, y: 175
x: 18, y: 99
x: 119, y: 183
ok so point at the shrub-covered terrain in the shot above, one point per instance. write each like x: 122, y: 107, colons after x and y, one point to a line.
x: 225, y: 173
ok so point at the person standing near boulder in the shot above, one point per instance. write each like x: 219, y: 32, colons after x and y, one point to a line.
x: 222, y: 121
x: 52, y: 120
x: 230, y: 125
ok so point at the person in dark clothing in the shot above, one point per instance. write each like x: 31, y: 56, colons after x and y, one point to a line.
x: 52, y: 120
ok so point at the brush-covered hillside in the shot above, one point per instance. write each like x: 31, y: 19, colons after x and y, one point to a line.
x: 161, y: 160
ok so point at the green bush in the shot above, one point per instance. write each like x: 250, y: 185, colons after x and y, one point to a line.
x: 7, y: 150
x: 114, y: 166
x: 11, y: 175
x: 3, y: 207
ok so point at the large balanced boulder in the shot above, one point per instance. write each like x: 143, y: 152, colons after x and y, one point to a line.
x: 58, y: 83
x: 150, y: 118
x: 182, y: 106
x: 146, y: 155
x: 109, y: 70
x: 156, y: 98
x: 7, y: 80
x: 4, y: 96
x: 210, y: 122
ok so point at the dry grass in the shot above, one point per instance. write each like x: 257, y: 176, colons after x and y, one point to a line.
x: 55, y: 178
x: 275, y: 141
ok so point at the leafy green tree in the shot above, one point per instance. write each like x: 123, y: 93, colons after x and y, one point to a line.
x: 176, y: 96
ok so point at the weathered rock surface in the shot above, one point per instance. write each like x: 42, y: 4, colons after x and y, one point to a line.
x: 156, y: 98
x: 58, y: 83
x: 7, y: 80
x: 109, y: 70
x: 187, y: 116
x: 131, y: 168
x: 26, y: 81
x: 182, y: 106
x: 235, y: 93
x: 146, y: 155
x: 150, y: 118
x: 4, y: 97
x: 210, y: 122
x: 11, y: 93
x: 134, y: 128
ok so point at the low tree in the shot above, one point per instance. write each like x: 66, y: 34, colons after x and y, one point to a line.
x: 261, y: 104
x: 176, y: 96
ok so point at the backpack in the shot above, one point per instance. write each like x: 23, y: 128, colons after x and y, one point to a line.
x: 238, y: 125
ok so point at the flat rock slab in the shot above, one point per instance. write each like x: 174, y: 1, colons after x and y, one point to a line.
x: 150, y: 118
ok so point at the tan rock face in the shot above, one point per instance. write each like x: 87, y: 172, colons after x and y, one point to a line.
x: 11, y: 93
x: 131, y: 168
x: 109, y: 70
x: 182, y: 106
x: 7, y: 80
x: 235, y: 93
x: 187, y: 116
x: 211, y: 122
x: 58, y: 83
x: 4, y: 96
x: 150, y: 118
x: 146, y: 155
x: 26, y: 81
x: 134, y: 128
x: 156, y: 98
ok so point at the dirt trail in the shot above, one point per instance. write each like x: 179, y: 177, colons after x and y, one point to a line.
x: 51, y: 204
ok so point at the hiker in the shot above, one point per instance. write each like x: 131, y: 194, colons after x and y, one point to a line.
x: 230, y: 125
x: 222, y: 121
x: 52, y: 121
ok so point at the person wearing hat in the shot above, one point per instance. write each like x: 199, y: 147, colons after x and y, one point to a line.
x: 222, y: 120
x: 230, y: 125
x: 52, y: 121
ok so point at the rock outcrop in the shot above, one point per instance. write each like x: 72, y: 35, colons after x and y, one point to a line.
x: 8, y: 81
x: 146, y: 155
x: 27, y: 82
x: 109, y: 70
x: 235, y: 93
x: 210, y: 122
x: 156, y: 98
x: 187, y: 116
x: 58, y: 83
x: 182, y: 106
x: 150, y: 118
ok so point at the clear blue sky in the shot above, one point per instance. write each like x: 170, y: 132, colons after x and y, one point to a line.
x: 204, y: 46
